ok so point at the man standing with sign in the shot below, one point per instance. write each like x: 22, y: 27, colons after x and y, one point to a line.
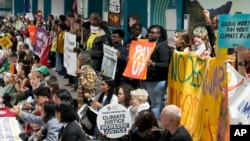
x: 157, y: 73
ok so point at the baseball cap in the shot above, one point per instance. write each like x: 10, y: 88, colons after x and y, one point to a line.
x: 43, y: 69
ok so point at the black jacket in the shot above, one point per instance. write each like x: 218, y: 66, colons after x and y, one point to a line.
x: 161, y: 56
x: 72, y: 132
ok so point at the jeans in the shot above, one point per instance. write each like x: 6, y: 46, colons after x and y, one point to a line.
x: 156, y: 91
x: 58, y: 65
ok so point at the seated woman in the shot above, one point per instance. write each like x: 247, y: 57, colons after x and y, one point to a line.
x: 71, y: 130
x: 21, y: 82
x: 124, y: 94
x: 145, y: 127
x: 9, y: 88
x: 138, y: 102
x: 50, y: 124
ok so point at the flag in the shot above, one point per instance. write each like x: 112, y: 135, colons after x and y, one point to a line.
x: 26, y: 7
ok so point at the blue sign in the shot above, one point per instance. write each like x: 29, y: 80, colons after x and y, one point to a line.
x: 234, y: 31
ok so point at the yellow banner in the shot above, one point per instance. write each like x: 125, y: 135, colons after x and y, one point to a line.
x: 196, y: 85
x: 5, y: 42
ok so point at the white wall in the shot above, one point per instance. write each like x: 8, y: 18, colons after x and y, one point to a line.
x: 40, y: 6
x: 171, y: 22
x: 57, y: 7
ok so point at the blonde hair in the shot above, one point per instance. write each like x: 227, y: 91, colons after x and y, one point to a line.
x: 35, y: 74
x: 140, y: 94
x: 200, y: 31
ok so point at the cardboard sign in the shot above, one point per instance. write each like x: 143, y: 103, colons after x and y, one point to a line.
x: 109, y: 61
x: 234, y: 31
x: 70, y: 57
x: 114, y: 120
x: 139, y: 55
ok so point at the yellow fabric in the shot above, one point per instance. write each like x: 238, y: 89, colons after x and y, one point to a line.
x: 196, y: 85
x: 60, y: 42
x: 90, y: 41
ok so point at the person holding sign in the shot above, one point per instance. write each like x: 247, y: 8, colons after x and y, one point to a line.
x: 157, y: 73
x: 170, y: 121
x: 201, y: 42
x: 122, y: 53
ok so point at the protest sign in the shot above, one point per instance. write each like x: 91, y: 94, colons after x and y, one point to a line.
x: 196, y: 85
x: 41, y: 39
x: 70, y: 57
x: 239, y: 98
x: 87, y: 116
x: 234, y: 31
x: 30, y: 16
x: 5, y: 42
x: 80, y: 7
x: 109, y: 61
x: 9, y: 129
x: 114, y: 14
x: 139, y: 55
x: 114, y: 120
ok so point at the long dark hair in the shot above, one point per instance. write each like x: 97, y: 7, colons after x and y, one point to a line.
x: 126, y: 89
x: 67, y: 110
x: 49, y: 109
x: 110, y: 82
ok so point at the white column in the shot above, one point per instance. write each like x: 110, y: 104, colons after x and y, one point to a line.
x: 57, y: 7
x: 40, y: 6
x: 31, y: 1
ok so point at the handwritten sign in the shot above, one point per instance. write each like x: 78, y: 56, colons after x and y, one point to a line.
x: 109, y: 61
x: 114, y: 14
x: 70, y: 57
x: 234, y: 31
x: 192, y: 85
x: 139, y: 54
x: 239, y: 99
x: 114, y: 120
x: 9, y: 129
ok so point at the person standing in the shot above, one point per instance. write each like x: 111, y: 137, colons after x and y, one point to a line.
x: 158, y: 64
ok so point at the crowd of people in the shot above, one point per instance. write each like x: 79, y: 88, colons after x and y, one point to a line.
x: 49, y: 113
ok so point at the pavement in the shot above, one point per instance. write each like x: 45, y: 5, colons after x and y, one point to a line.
x: 62, y: 81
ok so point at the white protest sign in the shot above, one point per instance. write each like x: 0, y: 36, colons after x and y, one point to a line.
x: 30, y: 16
x: 109, y: 61
x: 238, y: 97
x: 9, y: 129
x: 114, y: 120
x: 70, y: 57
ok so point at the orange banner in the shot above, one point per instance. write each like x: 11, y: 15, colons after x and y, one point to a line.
x: 139, y: 55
